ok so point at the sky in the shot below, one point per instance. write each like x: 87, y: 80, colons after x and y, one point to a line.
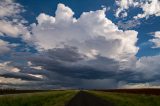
x: 64, y: 44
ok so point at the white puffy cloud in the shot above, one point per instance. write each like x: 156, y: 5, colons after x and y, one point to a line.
x: 156, y: 40
x: 147, y: 73
x: 44, y: 18
x: 37, y: 76
x: 123, y: 6
x: 11, y: 23
x: 9, y: 8
x: 139, y: 85
x: 149, y: 7
x: 9, y: 29
x: 5, y: 67
x: 92, y: 33
x: 64, y: 13
x: 4, y: 80
x: 4, y: 47
x: 149, y: 66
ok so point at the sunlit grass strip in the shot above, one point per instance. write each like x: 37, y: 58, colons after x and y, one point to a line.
x: 52, y: 98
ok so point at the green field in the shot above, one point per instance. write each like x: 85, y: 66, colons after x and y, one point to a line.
x: 124, y: 99
x: 51, y: 98
x: 60, y: 98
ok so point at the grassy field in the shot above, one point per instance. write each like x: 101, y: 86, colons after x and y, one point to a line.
x: 51, y: 98
x: 60, y: 98
x: 124, y: 99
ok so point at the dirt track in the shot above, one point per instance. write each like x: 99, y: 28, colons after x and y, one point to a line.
x: 86, y: 99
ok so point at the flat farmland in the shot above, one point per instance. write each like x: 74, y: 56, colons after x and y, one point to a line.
x: 50, y: 98
x: 117, y: 97
x: 130, y: 97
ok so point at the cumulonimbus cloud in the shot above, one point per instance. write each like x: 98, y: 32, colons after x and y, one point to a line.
x: 92, y: 33
x: 89, y: 51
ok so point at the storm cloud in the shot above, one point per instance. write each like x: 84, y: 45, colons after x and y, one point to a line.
x: 62, y: 51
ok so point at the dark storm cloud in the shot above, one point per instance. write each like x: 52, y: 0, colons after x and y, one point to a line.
x: 99, y: 68
x: 68, y: 62
x: 66, y: 67
x: 82, y: 69
x: 21, y: 76
x: 68, y: 54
